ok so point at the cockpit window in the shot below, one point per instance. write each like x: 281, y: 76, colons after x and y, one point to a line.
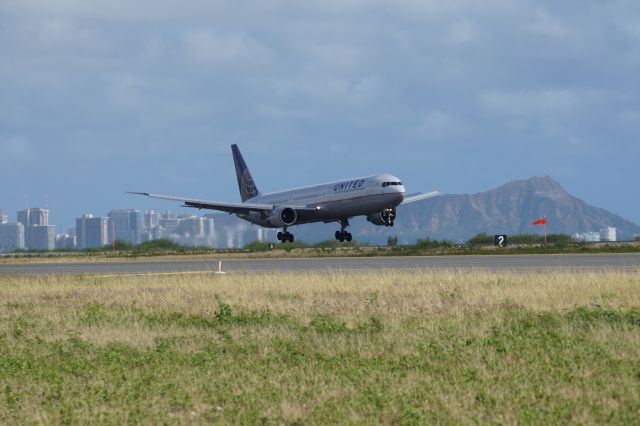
x: 385, y: 184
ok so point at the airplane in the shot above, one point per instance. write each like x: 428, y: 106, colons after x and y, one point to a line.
x: 375, y: 197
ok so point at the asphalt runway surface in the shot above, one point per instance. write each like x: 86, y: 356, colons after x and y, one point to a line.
x: 587, y: 262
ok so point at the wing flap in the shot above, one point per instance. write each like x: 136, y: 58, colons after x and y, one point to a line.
x: 238, y: 208
x: 241, y: 208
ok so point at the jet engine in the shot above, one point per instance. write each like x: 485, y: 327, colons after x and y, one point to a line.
x: 386, y: 217
x: 283, y: 216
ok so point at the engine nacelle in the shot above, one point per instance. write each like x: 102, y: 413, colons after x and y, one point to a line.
x: 283, y: 216
x: 386, y: 217
x: 376, y: 219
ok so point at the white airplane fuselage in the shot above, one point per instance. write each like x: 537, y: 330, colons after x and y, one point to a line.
x: 375, y: 197
x: 335, y: 200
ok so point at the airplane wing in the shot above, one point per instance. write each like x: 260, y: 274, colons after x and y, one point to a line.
x: 420, y: 196
x: 241, y: 208
x: 238, y: 208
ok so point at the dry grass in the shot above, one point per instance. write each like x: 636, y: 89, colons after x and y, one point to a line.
x: 391, y: 347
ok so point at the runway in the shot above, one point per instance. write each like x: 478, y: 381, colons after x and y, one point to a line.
x: 587, y: 262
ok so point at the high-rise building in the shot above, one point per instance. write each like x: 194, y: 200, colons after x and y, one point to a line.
x: 151, y: 219
x: 589, y: 237
x: 92, y: 232
x: 30, y: 218
x: 168, y: 214
x: 11, y: 236
x: 608, y: 233
x: 191, y: 227
x: 209, y: 230
x: 3, y: 217
x: 43, y: 237
x: 125, y: 225
x: 66, y: 241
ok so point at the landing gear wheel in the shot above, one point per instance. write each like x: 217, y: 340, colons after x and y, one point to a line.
x: 342, y: 234
x: 389, y: 217
x: 285, y: 236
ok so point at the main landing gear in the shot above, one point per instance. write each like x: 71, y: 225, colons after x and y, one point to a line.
x: 285, y: 236
x: 342, y: 235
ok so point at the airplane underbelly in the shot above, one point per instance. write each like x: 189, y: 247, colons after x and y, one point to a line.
x: 360, y: 206
x: 334, y: 210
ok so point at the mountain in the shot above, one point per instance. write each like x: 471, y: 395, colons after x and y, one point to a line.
x: 508, y: 209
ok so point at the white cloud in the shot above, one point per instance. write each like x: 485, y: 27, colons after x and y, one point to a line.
x: 435, y: 125
x: 529, y: 103
x: 209, y: 48
x: 462, y: 32
x: 548, y: 25
x: 124, y: 92
x: 340, y: 58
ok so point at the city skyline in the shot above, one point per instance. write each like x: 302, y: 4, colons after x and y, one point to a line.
x: 186, y: 228
x: 33, y: 232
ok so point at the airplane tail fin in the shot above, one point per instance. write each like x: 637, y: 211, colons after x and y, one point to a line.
x: 246, y: 184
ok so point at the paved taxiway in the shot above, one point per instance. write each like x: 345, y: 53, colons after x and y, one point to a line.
x: 525, y: 262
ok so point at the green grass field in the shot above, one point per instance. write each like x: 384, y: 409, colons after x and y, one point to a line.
x: 380, y: 348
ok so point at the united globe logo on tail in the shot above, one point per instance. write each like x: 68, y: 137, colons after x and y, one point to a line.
x: 248, y: 188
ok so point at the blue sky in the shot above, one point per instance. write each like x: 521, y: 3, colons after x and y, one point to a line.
x: 105, y: 96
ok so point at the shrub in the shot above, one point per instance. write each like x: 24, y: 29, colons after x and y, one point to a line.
x: 428, y: 243
x: 334, y: 244
x: 258, y: 246
x: 157, y: 245
x: 481, y: 239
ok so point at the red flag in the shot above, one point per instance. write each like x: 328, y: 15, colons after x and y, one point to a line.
x: 542, y: 221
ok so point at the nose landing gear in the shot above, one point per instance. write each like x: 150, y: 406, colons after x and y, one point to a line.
x: 389, y: 217
x: 342, y: 235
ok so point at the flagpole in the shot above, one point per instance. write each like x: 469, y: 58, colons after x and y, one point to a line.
x: 545, y: 229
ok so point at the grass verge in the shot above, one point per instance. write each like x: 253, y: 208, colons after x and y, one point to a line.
x: 408, y: 348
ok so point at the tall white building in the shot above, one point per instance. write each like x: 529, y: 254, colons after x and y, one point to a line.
x: 66, y: 241
x: 3, y: 217
x: 125, y: 225
x: 92, y: 232
x: 30, y: 219
x: 11, y: 237
x: 209, y: 231
x: 42, y: 237
x: 589, y: 237
x: 151, y: 219
x: 608, y: 233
